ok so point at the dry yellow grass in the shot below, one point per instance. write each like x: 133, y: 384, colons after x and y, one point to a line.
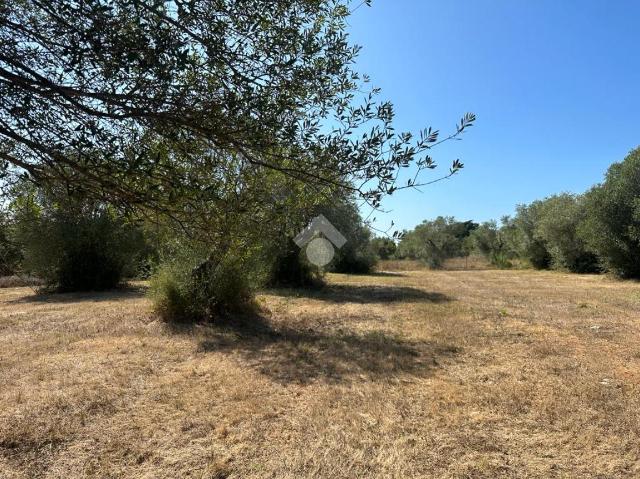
x: 422, y: 374
x: 473, y: 262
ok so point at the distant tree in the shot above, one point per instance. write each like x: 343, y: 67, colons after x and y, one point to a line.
x: 530, y: 247
x: 383, y: 247
x: 611, y: 225
x: 557, y: 226
x: 10, y: 255
x: 435, y: 241
x: 494, y: 242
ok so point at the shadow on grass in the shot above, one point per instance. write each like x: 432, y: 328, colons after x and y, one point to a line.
x: 344, y: 293
x: 305, y: 355
x: 379, y: 274
x: 126, y: 291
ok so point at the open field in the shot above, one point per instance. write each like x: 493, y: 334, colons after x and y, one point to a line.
x: 414, y: 374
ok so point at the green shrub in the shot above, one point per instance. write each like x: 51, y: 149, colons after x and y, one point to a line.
x: 356, y: 256
x: 493, y: 243
x: 435, y: 241
x: 611, y: 227
x: 193, y: 287
x: 290, y: 268
x: 169, y: 292
x: 354, y: 259
x: 74, y: 246
x: 529, y: 246
x: 383, y: 248
x: 558, y: 222
x: 87, y: 265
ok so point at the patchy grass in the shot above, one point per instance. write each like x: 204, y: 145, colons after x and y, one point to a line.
x: 418, y: 374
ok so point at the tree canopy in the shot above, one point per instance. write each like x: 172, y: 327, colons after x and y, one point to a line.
x: 164, y: 104
x: 435, y: 241
x: 611, y: 227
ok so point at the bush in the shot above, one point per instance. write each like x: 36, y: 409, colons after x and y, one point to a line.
x: 354, y: 259
x: 383, y: 248
x: 492, y: 242
x: 611, y: 227
x: 356, y: 256
x: 291, y: 268
x: 86, y: 263
x: 169, y: 292
x: 73, y: 245
x: 194, y: 287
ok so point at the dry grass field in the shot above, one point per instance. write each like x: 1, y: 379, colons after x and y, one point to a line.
x: 415, y: 374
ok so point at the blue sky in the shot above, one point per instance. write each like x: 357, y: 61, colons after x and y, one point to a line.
x: 554, y: 85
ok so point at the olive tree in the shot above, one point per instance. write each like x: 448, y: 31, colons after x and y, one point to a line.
x: 611, y: 227
x: 209, y: 113
x: 435, y: 241
x: 258, y: 83
x: 557, y: 226
x: 530, y: 246
x: 495, y: 242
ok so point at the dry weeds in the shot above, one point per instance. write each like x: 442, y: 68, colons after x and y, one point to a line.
x: 417, y: 374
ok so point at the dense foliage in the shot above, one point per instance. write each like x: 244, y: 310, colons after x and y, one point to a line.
x: 291, y: 267
x: 10, y: 255
x: 494, y: 243
x: 435, y: 241
x: 531, y: 248
x: 225, y: 122
x: 186, y: 289
x: 611, y: 226
x: 356, y: 256
x: 74, y: 245
x: 558, y: 229
x: 383, y: 247
x: 130, y: 101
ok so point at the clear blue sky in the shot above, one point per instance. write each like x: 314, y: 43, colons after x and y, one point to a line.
x: 554, y: 84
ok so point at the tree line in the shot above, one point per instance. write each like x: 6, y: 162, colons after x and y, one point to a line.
x: 73, y: 243
x: 598, y: 231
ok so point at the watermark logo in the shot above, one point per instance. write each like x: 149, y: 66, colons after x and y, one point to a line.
x: 320, y: 249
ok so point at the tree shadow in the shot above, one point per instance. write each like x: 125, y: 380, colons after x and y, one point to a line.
x: 344, y: 293
x: 126, y: 291
x: 306, y: 355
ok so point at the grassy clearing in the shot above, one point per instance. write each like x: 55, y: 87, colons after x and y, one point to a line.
x: 414, y: 374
